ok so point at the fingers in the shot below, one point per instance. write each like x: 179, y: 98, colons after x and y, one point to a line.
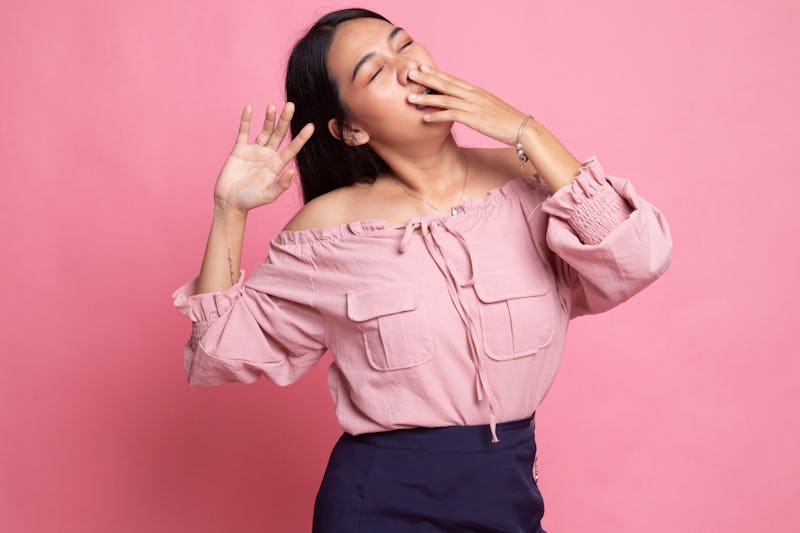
x: 284, y: 179
x: 439, y: 100
x: 291, y: 149
x: 277, y: 135
x: 244, y: 125
x: 271, y: 135
x: 446, y: 115
x: 440, y: 80
x: 453, y: 92
x: 269, y: 125
x: 430, y: 71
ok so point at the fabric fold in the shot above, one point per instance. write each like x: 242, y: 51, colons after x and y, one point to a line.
x: 207, y: 306
x: 589, y: 203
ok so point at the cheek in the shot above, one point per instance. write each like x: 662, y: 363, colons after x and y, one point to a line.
x: 380, y: 118
x: 374, y: 107
x: 390, y: 120
x: 367, y: 107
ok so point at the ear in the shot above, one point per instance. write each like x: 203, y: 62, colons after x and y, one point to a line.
x: 352, y: 136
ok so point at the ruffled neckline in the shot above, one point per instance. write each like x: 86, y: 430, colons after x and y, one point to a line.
x: 371, y: 225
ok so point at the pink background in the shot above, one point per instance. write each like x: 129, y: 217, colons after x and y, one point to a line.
x: 676, y: 411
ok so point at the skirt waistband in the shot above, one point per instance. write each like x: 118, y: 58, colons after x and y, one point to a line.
x: 469, y: 438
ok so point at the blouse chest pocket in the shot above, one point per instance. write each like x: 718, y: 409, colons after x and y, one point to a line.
x: 517, y: 310
x: 394, y: 324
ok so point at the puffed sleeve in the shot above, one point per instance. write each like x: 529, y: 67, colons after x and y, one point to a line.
x: 609, y: 243
x: 265, y: 325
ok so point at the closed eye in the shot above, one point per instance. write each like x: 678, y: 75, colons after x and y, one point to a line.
x: 376, y: 74
x: 409, y: 43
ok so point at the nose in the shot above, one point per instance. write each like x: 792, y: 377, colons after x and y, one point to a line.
x: 407, y: 67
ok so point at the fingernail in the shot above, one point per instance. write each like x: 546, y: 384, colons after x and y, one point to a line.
x: 413, y: 74
x: 424, y: 68
x: 413, y: 97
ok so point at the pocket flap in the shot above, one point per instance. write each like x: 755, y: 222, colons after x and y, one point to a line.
x: 370, y: 302
x: 507, y: 283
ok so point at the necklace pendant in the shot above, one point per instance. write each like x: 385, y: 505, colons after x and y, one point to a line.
x: 453, y: 210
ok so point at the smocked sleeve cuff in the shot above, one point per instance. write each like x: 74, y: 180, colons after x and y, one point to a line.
x: 589, y: 203
x: 208, y: 306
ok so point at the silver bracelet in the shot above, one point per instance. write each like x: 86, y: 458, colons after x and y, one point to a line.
x: 520, y: 152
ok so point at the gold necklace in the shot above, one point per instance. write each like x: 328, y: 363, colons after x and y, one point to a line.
x: 453, y: 210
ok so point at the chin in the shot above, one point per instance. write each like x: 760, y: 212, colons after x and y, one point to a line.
x: 445, y: 126
x: 431, y: 132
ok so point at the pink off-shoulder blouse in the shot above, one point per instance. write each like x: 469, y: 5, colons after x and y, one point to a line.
x: 463, y: 323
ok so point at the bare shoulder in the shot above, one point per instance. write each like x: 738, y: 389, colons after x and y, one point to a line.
x: 491, y: 168
x: 323, y: 211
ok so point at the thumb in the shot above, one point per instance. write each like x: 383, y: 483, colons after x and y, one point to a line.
x: 285, y: 178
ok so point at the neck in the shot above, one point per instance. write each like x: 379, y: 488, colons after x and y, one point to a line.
x: 431, y: 171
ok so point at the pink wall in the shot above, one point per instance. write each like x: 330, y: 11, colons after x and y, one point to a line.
x: 674, y: 412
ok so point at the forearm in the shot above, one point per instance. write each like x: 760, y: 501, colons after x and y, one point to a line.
x: 552, y: 160
x: 220, y: 269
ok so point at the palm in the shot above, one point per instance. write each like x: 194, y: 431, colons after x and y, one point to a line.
x: 255, y: 174
x: 249, y: 175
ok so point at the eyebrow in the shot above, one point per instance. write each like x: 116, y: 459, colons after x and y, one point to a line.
x: 366, y: 58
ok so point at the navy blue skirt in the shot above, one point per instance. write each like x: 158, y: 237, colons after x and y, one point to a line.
x: 444, y: 479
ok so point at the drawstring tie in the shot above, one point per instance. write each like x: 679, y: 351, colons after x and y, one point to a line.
x: 434, y: 228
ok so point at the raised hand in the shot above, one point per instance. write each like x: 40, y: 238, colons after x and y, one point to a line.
x: 256, y: 174
x: 465, y: 103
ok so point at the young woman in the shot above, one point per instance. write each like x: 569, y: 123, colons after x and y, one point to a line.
x: 440, y: 277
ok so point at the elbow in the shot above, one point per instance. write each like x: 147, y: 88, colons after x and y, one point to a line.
x: 199, y: 377
x: 664, y: 263
x: 658, y: 262
x: 655, y: 256
x: 639, y: 270
x: 206, y: 370
x: 660, y: 251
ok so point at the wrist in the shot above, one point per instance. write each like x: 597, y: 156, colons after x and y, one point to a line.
x: 530, y: 136
x: 225, y: 211
x: 525, y: 138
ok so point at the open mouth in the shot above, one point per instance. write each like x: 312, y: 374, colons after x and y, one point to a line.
x: 427, y: 90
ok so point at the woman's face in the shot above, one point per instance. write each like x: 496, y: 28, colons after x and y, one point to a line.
x: 369, y: 60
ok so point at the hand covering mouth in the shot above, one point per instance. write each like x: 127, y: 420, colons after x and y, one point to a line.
x: 426, y: 90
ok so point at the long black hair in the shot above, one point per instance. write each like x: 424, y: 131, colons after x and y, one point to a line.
x: 324, y: 162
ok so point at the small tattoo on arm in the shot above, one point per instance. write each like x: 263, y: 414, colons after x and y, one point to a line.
x: 230, y: 266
